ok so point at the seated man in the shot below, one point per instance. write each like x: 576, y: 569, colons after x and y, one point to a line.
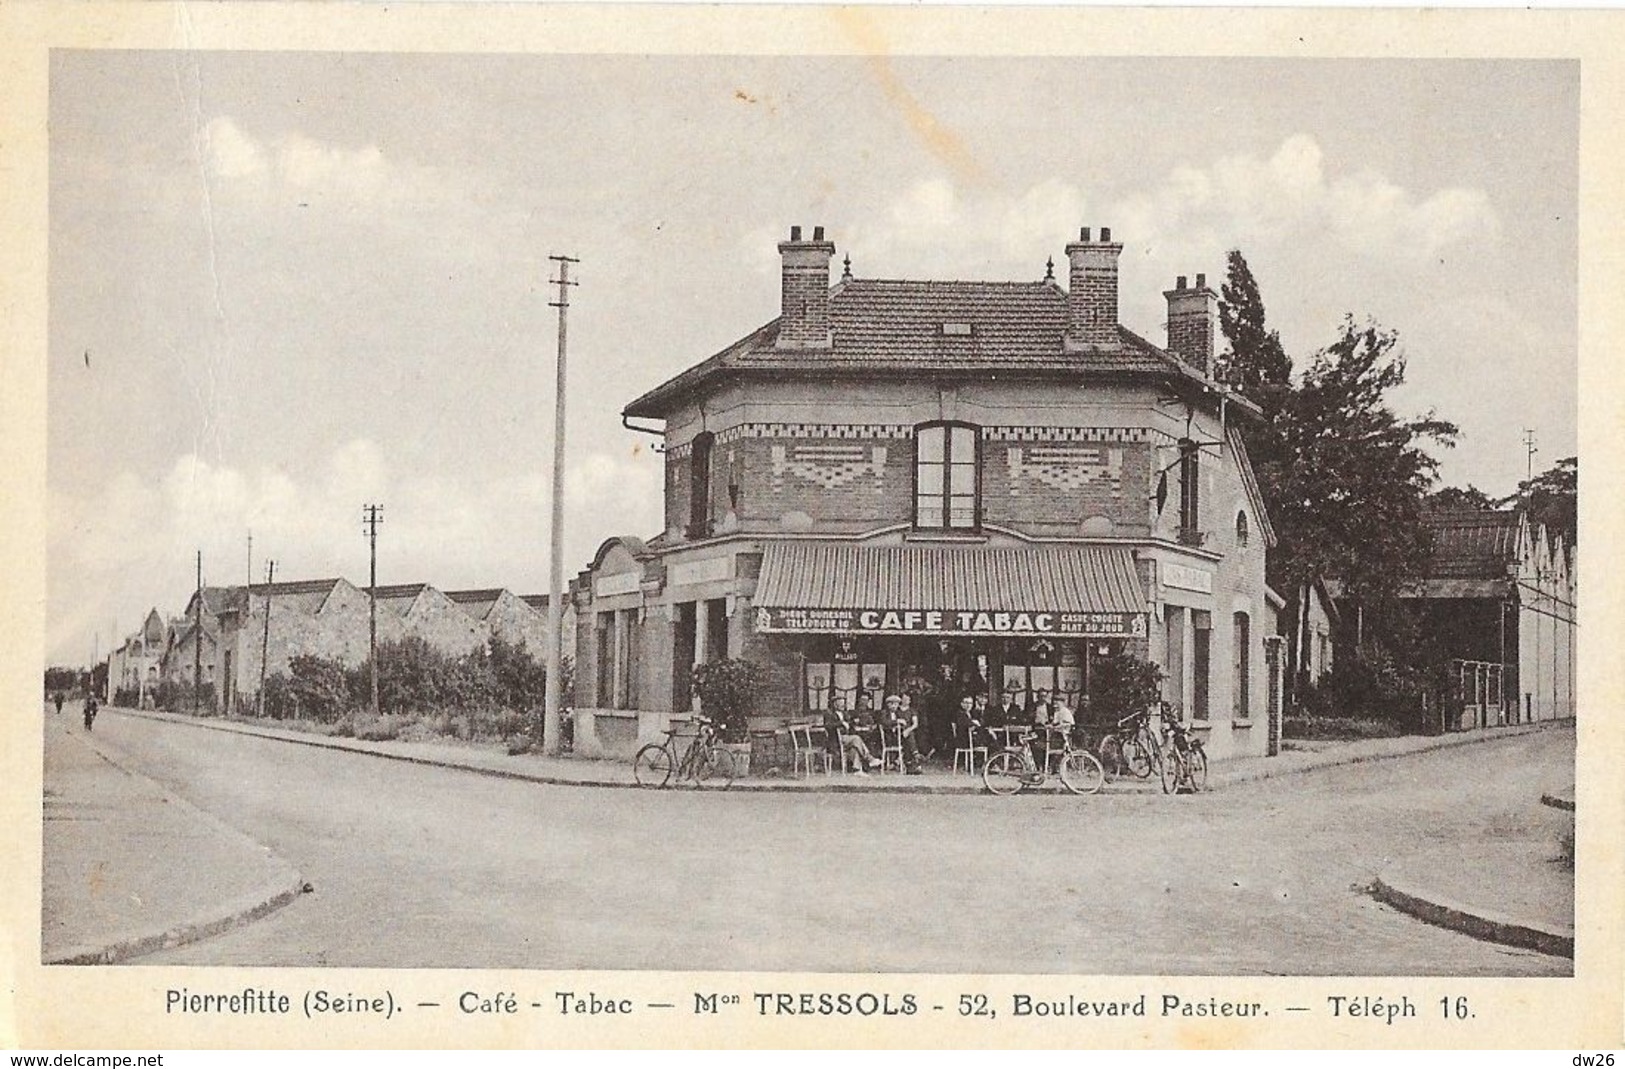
x: 839, y: 736
x: 969, y: 727
x: 892, y: 720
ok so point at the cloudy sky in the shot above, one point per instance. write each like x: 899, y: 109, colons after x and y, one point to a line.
x: 285, y: 285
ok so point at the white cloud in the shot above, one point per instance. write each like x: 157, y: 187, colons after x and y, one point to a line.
x: 131, y: 547
x: 295, y: 167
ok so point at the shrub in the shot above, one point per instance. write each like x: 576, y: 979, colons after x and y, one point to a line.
x: 1120, y: 685
x: 727, y: 690
x: 1337, y: 728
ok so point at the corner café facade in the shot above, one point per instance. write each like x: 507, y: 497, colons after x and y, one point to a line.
x: 944, y: 488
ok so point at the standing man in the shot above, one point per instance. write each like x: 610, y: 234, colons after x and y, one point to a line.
x: 892, y: 719
x: 90, y: 711
x: 57, y: 697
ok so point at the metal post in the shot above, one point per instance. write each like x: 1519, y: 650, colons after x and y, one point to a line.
x: 197, y: 636
x: 374, y: 515
x: 265, y: 641
x: 555, y: 601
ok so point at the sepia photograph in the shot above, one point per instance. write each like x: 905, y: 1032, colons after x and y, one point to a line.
x: 875, y: 512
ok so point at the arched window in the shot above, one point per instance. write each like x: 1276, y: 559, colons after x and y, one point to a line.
x: 699, y: 485
x: 947, y: 477
x: 1241, y: 529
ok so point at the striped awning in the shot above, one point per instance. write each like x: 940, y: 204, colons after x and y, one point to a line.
x: 826, y: 587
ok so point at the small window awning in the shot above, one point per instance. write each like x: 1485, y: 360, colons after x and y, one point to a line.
x: 841, y: 588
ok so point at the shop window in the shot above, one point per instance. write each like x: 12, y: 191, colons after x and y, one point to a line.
x: 1173, y: 684
x: 1242, y: 665
x: 845, y: 670
x: 699, y: 485
x: 604, y: 647
x: 684, y: 644
x: 947, y: 478
x: 1190, y: 493
x: 1060, y: 668
x: 617, y: 640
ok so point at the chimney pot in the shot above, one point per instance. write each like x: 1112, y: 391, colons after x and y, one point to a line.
x: 795, y: 233
x: 818, y: 233
x: 1179, y: 284
x: 1083, y: 234
x: 1201, y: 281
x: 1105, y: 233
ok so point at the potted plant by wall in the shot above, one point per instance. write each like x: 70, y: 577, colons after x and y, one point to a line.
x: 727, y: 691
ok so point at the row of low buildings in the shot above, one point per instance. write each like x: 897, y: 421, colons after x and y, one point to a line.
x: 957, y: 487
x: 228, y: 632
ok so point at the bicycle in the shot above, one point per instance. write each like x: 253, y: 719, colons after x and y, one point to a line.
x: 1132, y: 747
x: 705, y: 759
x: 1184, y: 762
x: 1012, y: 769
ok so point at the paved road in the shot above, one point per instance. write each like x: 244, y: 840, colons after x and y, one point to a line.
x: 426, y: 867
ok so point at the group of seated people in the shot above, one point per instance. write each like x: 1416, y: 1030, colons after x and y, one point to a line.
x: 851, y: 733
x: 856, y: 734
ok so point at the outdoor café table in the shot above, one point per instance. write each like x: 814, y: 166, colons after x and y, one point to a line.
x: 1011, y: 733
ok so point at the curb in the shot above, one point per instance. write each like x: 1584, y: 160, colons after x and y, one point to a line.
x: 237, y: 912
x: 781, y: 787
x: 1481, y: 924
x: 1557, y: 802
x: 1443, y: 742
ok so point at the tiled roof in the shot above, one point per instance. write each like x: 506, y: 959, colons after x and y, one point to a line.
x: 838, y: 575
x: 1472, y: 544
x: 477, y: 603
x: 883, y: 326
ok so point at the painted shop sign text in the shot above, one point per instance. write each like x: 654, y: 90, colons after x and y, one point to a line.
x: 949, y: 622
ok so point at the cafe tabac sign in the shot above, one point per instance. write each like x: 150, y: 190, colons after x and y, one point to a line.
x: 1013, y: 622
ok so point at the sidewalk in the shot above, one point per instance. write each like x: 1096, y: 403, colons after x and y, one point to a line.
x: 129, y: 869
x: 583, y: 772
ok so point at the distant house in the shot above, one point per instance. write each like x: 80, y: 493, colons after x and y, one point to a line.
x: 1501, y: 594
x: 136, y: 666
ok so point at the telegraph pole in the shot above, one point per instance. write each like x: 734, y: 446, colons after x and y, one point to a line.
x: 555, y: 600
x: 373, y: 515
x: 250, y: 572
x: 265, y: 642
x: 1530, y: 449
x: 197, y: 635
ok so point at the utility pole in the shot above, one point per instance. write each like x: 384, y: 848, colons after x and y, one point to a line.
x: 250, y: 572
x: 373, y: 515
x: 265, y: 642
x: 1530, y: 449
x: 555, y: 600
x: 197, y: 635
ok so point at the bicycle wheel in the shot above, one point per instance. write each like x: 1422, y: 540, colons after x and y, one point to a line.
x: 1081, y: 773
x: 1004, y: 773
x: 1135, y: 759
x: 652, y: 766
x: 1197, y: 759
x: 1172, y: 771
x: 714, y: 765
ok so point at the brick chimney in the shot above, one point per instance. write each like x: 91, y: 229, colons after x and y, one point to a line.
x: 1091, y: 298
x: 1192, y: 313
x: 804, y: 295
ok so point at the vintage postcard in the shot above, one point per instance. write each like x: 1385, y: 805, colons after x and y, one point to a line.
x: 679, y: 526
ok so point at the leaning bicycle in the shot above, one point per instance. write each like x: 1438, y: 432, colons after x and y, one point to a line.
x: 704, y: 762
x: 1013, y: 768
x: 1132, y: 747
x: 1184, y: 761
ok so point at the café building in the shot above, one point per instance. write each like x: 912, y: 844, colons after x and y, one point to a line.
x: 946, y: 488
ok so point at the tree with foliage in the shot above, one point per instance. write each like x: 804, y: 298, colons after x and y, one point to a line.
x: 1455, y: 498
x: 1346, y: 496
x: 1255, y: 363
x: 1553, y: 499
x: 1120, y: 685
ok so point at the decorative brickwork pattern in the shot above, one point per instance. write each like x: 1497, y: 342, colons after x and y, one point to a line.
x: 829, y: 466
x: 1065, y: 468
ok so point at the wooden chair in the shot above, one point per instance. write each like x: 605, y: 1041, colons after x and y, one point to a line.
x: 891, y: 746
x: 968, y: 753
x: 808, y: 751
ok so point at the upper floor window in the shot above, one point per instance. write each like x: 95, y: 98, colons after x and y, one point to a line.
x: 1189, y: 489
x: 1242, y: 533
x: 947, y: 482
x: 699, y: 485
